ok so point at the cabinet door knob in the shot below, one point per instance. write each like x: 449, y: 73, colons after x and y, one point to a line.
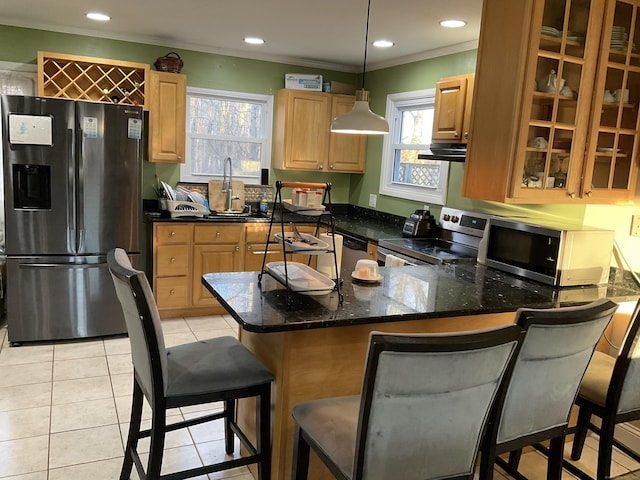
x: 466, y: 134
x: 179, y: 157
x: 172, y: 234
x: 456, y: 134
x: 589, y: 193
x: 572, y: 194
x: 320, y: 166
x: 331, y: 166
x: 237, y: 248
x: 248, y: 247
x: 172, y: 260
x: 172, y: 291
x: 218, y: 234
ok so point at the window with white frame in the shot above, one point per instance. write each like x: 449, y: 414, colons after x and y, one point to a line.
x: 223, y: 124
x: 403, y: 174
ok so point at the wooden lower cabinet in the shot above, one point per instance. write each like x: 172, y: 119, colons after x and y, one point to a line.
x: 183, y: 252
x: 212, y: 259
x: 171, y: 265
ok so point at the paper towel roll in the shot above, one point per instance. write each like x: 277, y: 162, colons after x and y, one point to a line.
x: 326, y: 263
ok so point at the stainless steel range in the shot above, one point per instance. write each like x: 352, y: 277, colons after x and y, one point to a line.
x: 458, y: 238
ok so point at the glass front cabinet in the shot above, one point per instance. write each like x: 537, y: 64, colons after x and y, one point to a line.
x: 566, y: 129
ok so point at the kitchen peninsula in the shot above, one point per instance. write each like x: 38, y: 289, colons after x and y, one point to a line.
x: 316, y: 346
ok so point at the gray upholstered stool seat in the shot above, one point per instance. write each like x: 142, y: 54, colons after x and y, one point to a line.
x: 597, y: 377
x: 333, y: 425
x: 213, y: 365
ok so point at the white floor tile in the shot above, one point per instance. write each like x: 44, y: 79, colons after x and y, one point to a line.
x: 101, y: 470
x: 84, y: 446
x: 78, y: 349
x: 26, y: 354
x: 173, y: 339
x: 80, y: 368
x: 117, y: 345
x: 174, y: 325
x: 26, y: 374
x: 25, y: 455
x: 80, y: 415
x: 213, y: 322
x: 25, y: 396
x: 120, y: 364
x: 81, y: 389
x: 42, y: 475
x: 26, y: 422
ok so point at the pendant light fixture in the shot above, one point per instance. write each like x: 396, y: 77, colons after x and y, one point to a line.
x: 361, y: 120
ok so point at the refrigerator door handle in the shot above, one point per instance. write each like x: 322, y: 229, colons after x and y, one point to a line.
x: 80, y: 230
x: 71, y: 204
x: 36, y: 266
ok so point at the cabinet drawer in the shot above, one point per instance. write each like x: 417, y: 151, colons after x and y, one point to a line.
x: 218, y: 233
x: 172, y: 260
x: 172, y: 292
x: 172, y: 233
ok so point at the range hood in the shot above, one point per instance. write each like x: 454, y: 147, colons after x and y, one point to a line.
x: 449, y: 152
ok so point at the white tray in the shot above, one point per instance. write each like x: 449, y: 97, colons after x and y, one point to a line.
x: 302, y: 279
x: 308, y: 242
x: 311, y: 211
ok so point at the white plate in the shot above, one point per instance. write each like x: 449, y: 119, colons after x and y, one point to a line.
x: 301, y: 278
x: 168, y: 190
x: 367, y: 280
x: 308, y: 242
x: 311, y: 211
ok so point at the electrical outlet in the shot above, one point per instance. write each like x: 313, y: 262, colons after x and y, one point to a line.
x: 635, y: 225
x: 372, y: 200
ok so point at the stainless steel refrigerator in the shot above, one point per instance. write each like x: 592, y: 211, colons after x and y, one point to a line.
x: 72, y: 184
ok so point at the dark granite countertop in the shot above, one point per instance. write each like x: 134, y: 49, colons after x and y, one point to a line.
x: 404, y: 293
x: 364, y: 223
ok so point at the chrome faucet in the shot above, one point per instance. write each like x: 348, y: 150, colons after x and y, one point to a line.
x: 227, y: 184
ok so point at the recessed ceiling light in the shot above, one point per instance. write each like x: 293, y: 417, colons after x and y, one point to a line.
x: 101, y: 17
x: 451, y: 23
x: 254, y: 40
x: 383, y: 43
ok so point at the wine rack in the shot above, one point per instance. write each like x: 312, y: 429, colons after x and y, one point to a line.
x: 94, y: 79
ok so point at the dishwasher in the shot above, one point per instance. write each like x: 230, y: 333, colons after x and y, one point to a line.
x: 353, y: 249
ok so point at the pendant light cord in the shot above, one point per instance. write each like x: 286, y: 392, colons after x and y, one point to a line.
x: 366, y: 43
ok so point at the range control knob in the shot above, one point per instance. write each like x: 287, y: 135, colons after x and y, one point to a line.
x: 446, y: 217
x: 455, y: 219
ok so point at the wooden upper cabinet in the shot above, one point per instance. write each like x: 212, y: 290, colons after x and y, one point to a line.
x: 302, y: 136
x: 542, y: 129
x: 167, y: 117
x: 453, y: 109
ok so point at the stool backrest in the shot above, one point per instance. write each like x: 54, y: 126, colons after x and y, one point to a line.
x: 143, y: 323
x: 624, y: 388
x: 425, y: 402
x: 549, y: 367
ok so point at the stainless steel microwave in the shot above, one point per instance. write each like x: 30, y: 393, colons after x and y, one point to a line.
x: 553, y: 255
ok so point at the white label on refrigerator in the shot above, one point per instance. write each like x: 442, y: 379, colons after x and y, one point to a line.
x: 134, y: 128
x: 30, y: 130
x: 90, y: 127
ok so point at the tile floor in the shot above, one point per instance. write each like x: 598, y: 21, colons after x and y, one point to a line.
x: 64, y: 411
